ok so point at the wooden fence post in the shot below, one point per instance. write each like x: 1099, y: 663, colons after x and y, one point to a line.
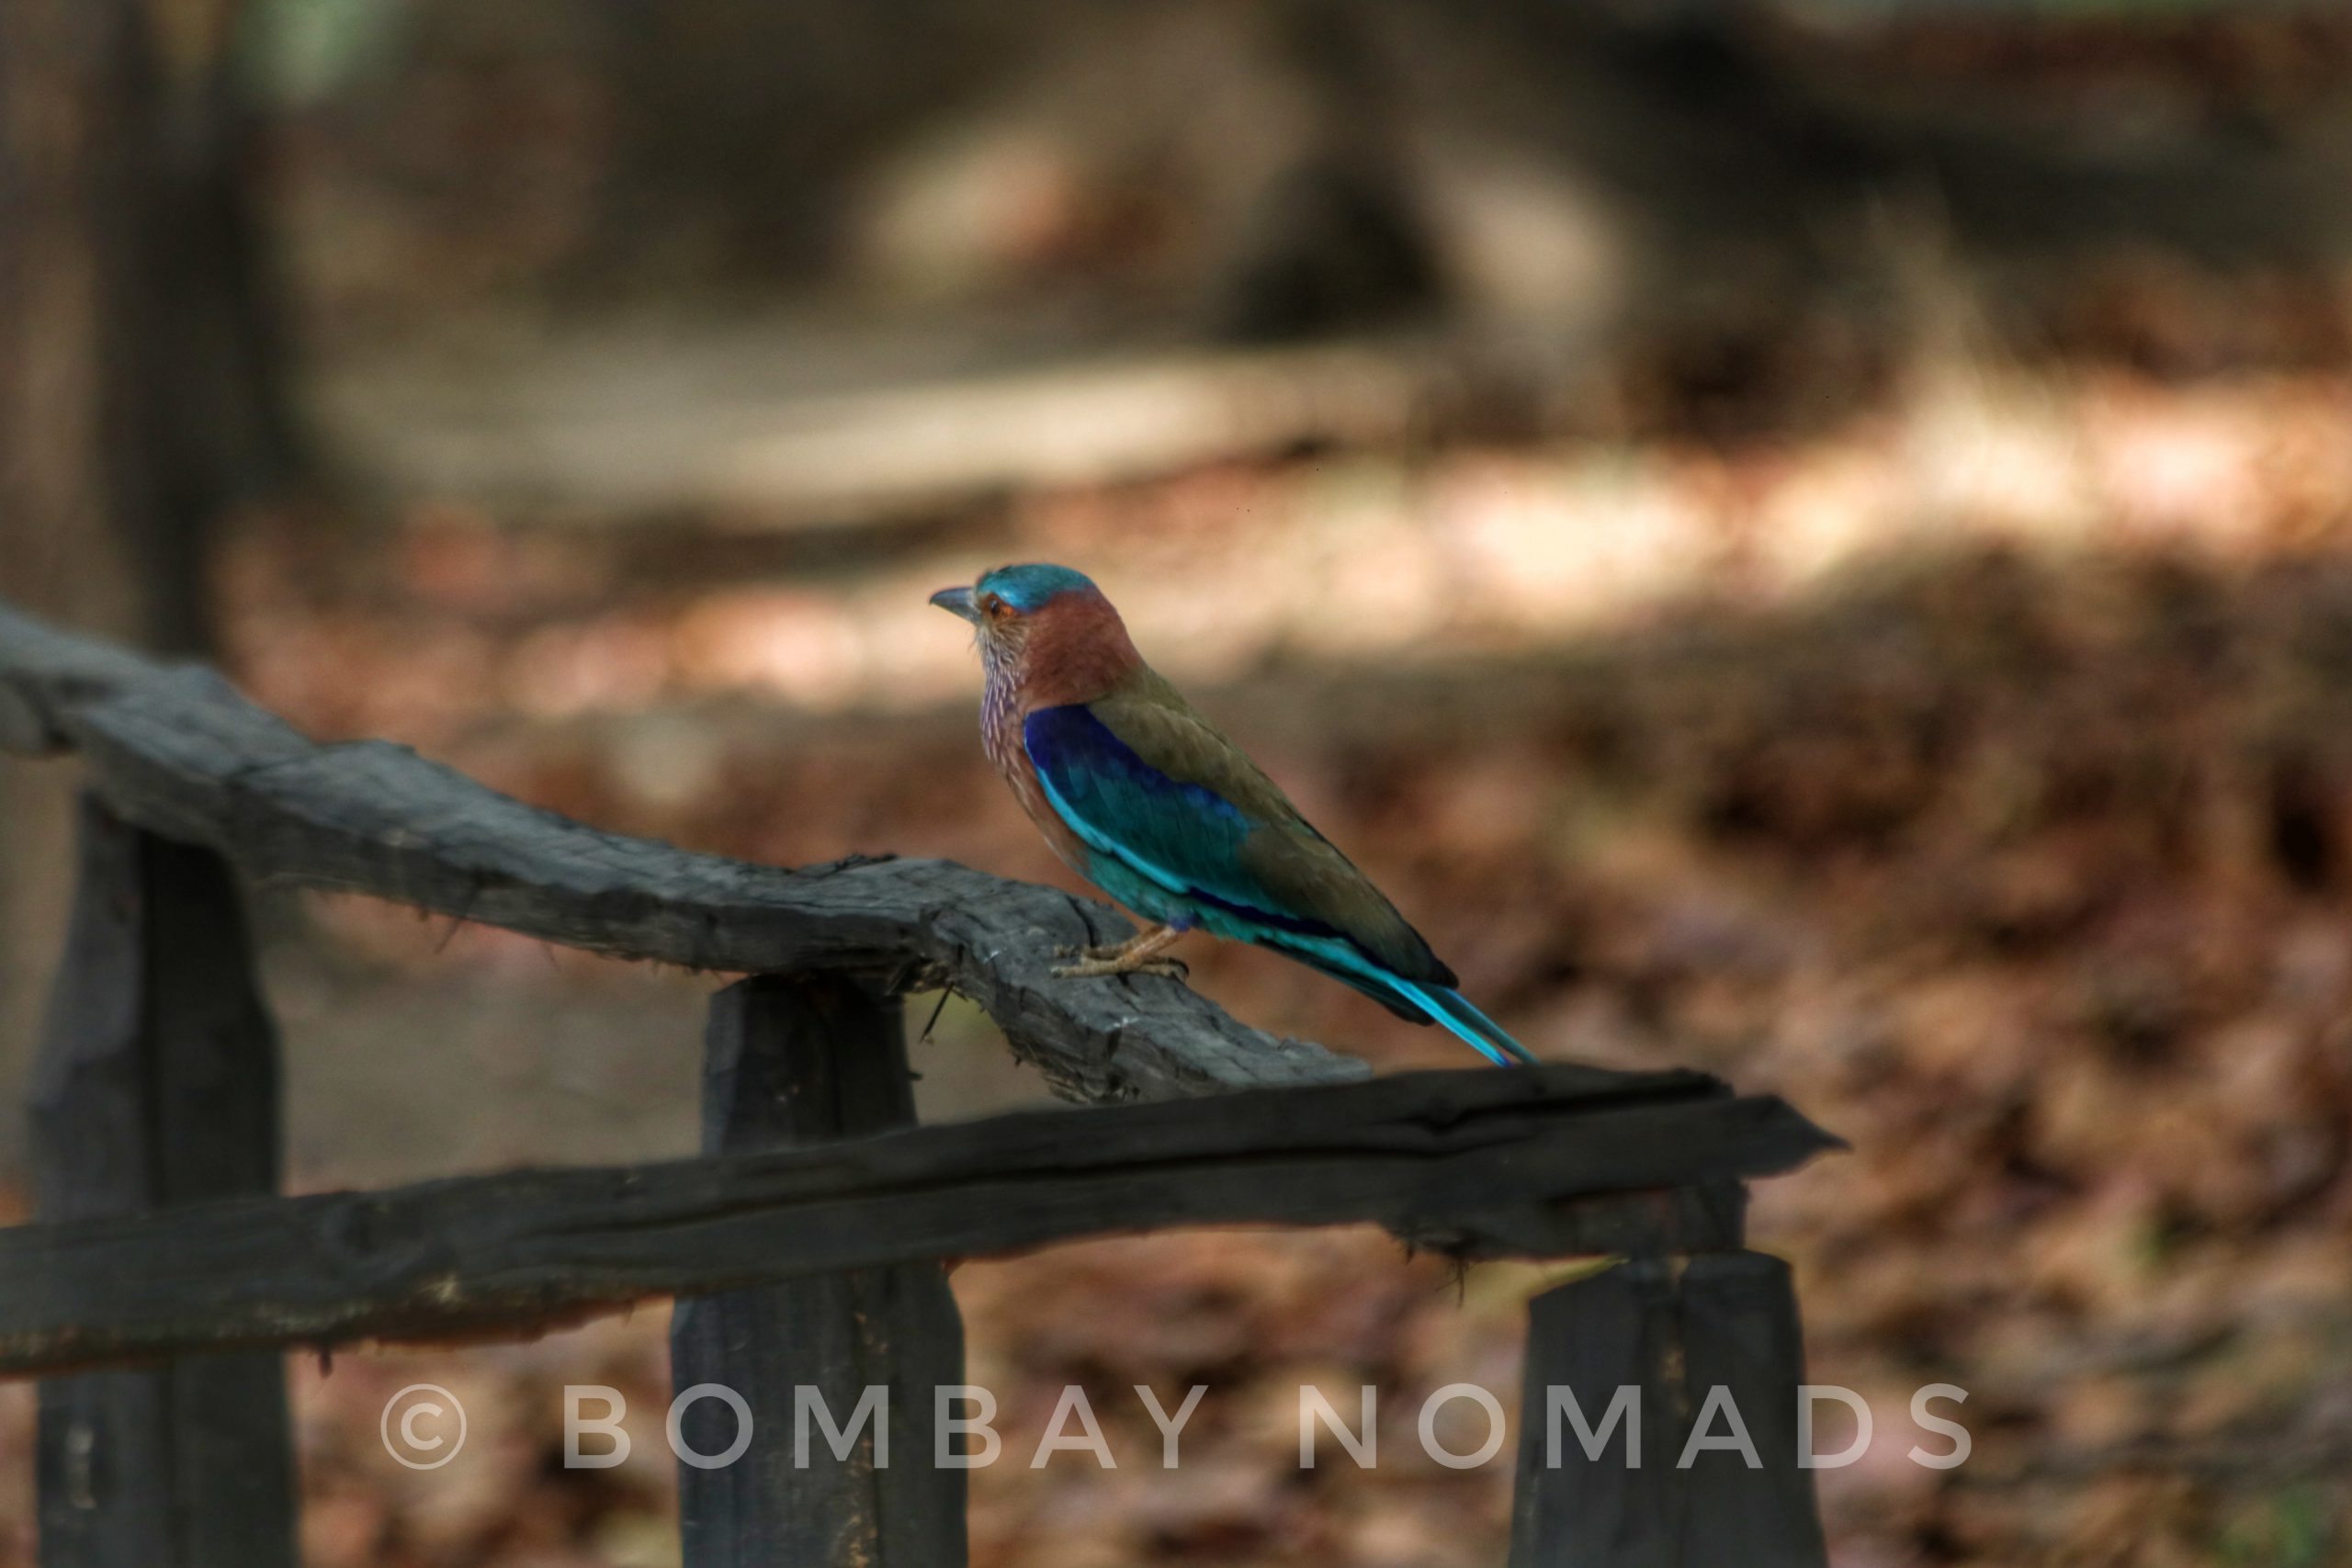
x: 157, y: 1085
x: 1675, y: 1328
x: 794, y: 1062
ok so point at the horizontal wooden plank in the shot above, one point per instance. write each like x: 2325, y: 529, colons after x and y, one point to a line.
x: 180, y: 753
x: 1555, y: 1160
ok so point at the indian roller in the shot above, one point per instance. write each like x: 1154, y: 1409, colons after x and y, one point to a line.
x: 1146, y: 800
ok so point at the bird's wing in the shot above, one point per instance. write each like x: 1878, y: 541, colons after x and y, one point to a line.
x: 1140, y: 775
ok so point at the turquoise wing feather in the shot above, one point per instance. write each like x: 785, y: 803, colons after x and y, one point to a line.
x: 1185, y: 840
x: 1186, y: 829
x: 1152, y: 786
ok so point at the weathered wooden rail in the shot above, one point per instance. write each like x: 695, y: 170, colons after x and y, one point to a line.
x: 163, y: 1274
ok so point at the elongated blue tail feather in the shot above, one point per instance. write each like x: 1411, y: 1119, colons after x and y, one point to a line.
x: 1409, y: 998
x: 1460, y: 1007
x: 1473, y: 1028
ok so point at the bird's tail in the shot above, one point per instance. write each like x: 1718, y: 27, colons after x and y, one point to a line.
x: 1473, y: 1028
x: 1418, y: 1000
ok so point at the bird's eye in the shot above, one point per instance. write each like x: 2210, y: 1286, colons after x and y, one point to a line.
x: 994, y: 606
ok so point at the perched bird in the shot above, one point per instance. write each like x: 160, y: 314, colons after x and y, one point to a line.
x: 1146, y: 800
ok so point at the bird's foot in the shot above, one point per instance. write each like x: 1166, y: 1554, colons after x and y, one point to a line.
x: 1096, y: 968
x: 1137, y: 955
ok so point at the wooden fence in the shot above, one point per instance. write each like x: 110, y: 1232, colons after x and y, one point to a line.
x: 164, y: 1277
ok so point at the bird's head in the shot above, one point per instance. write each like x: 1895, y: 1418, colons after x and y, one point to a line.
x: 1048, y: 622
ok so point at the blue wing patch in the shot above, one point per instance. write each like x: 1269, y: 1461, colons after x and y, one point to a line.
x: 1184, y: 837
x: 1176, y: 848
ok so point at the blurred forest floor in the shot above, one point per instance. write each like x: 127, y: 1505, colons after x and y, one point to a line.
x: 1944, y: 725
x: 1977, y: 772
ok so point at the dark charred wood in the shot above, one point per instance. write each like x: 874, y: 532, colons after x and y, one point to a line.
x: 157, y: 1086
x: 1545, y: 1161
x: 1675, y: 1330
x: 796, y: 1063
x: 180, y: 753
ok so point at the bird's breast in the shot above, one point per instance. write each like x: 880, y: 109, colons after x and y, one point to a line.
x: 1002, y: 714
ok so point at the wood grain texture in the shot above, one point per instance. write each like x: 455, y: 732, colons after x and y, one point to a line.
x: 179, y: 752
x: 157, y: 1086
x: 1545, y: 1161
x: 1675, y: 1329
x: 801, y: 1062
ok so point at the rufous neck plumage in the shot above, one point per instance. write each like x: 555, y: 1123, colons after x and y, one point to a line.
x: 1073, y: 648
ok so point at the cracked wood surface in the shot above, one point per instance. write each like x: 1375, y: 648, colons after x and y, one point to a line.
x: 179, y: 752
x: 1544, y: 1161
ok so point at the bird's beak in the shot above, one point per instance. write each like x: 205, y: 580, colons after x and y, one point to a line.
x: 957, y: 601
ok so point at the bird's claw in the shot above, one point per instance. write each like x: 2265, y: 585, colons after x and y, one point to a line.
x: 1099, y: 949
x: 1094, y: 968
